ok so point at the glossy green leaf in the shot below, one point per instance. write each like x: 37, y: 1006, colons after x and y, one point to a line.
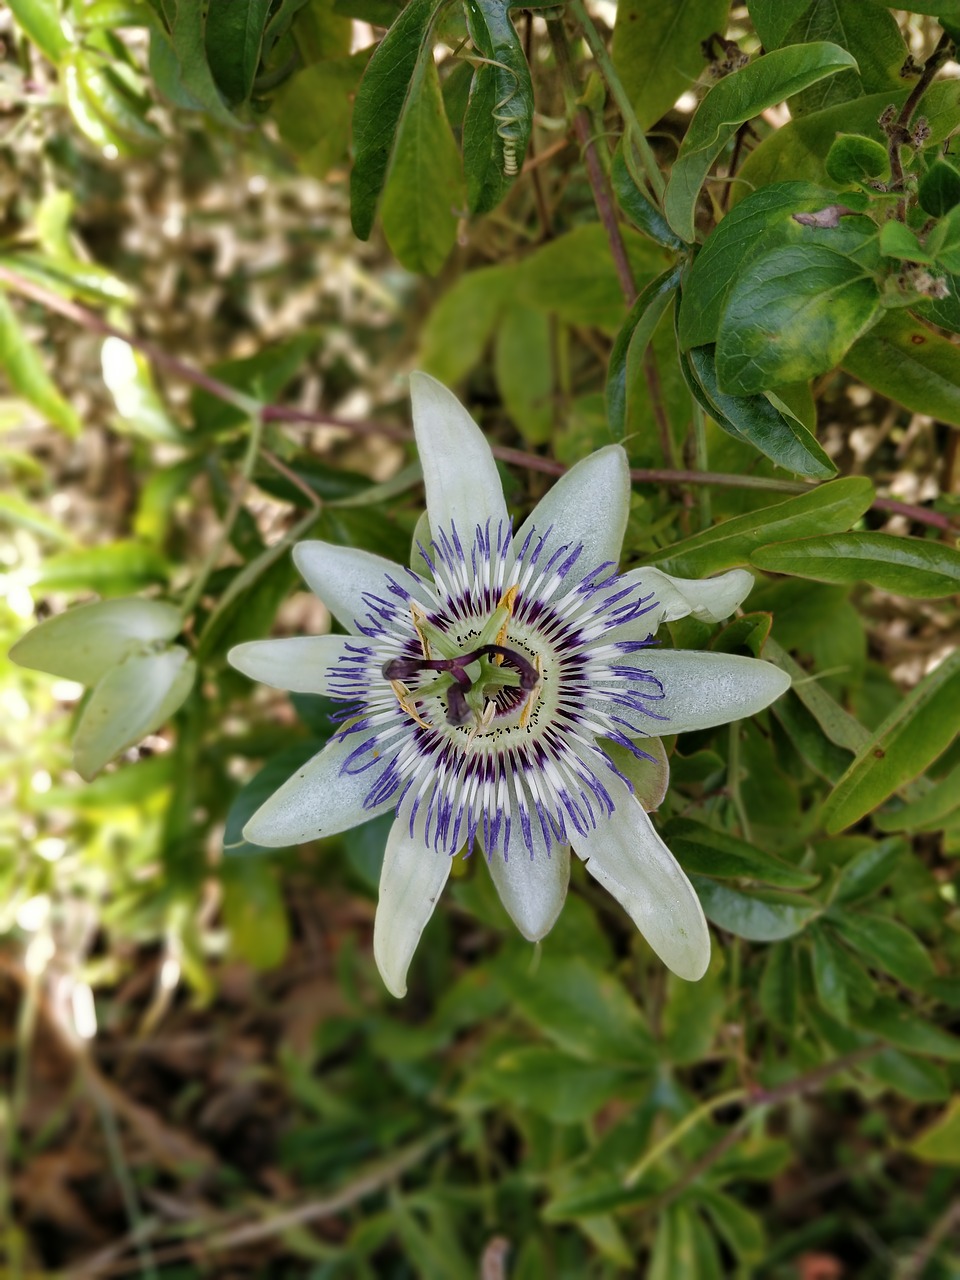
x: 731, y: 248
x: 798, y: 151
x: 774, y: 18
x: 379, y: 105
x: 424, y: 186
x: 836, y: 505
x: 740, y: 97
x: 838, y: 724
x: 69, y: 276
x: 105, y: 106
x: 755, y: 420
x: 703, y: 850
x: 631, y: 343
x: 904, y: 566
x: 928, y: 811
x: 904, y: 359
x: 837, y: 976
x: 656, y: 50
x: 312, y: 111
x: 869, y: 870
x: 761, y: 915
x: 39, y: 20
x: 129, y: 380
x: 791, y: 315
x: 919, y: 729
x: 853, y: 157
x: 638, y: 208
x: 25, y: 372
x: 779, y: 992
x: 192, y: 70
x: 897, y: 1025
x: 134, y: 698
x: 870, y: 34
x: 886, y: 945
x: 499, y: 115
x: 233, y: 38
x: 939, y: 189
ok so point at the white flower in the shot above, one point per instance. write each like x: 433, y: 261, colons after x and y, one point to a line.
x: 488, y: 692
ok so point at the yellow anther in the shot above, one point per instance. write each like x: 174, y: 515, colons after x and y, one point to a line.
x: 408, y: 703
x: 419, y: 618
x: 506, y: 602
x: 482, y: 721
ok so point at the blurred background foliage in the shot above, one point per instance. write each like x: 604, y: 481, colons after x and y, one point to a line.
x: 203, y: 1074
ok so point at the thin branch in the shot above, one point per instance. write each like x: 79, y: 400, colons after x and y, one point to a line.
x: 94, y: 323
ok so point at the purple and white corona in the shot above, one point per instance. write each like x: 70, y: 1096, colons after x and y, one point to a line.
x: 507, y: 692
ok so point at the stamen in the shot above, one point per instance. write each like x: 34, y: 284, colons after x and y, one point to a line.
x: 407, y: 702
x: 506, y: 602
x: 534, y: 696
x: 419, y: 618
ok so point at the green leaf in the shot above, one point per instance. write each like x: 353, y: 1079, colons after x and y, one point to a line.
x: 379, y: 106
x: 762, y: 915
x: 871, y: 35
x: 731, y: 248
x: 565, y: 1090
x: 928, y: 811
x: 499, y: 115
x: 714, y: 853
x: 656, y: 50
x: 904, y: 566
x: 838, y: 724
x: 829, y: 973
x: 424, y: 185
x: 523, y: 363
x: 129, y: 379
x: 27, y: 376
x: 574, y: 277
x: 919, y: 729
x: 740, y: 97
x: 792, y: 315
x: 255, y: 913
x: 833, y: 506
x: 453, y: 340
x: 899, y: 242
x: 939, y: 189
x: 740, y: 1227
x: 853, y: 158
x: 631, y: 344
x: 586, y: 1012
x: 939, y: 1143
x: 755, y: 420
x: 114, y: 568
x: 192, y: 76
x: 905, y: 360
x: 780, y: 987
x: 887, y: 945
x: 869, y: 870
x: 892, y: 1022
x: 39, y: 20
x: 637, y: 207
x: 312, y: 111
x: 772, y: 19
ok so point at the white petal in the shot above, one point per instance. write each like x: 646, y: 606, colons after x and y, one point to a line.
x: 318, y: 800
x: 85, y: 643
x: 629, y: 859
x: 460, y: 475
x: 411, y: 881
x: 649, y: 778
x: 533, y: 890
x: 588, y: 505
x: 341, y: 575
x: 701, y: 690
x: 708, y: 599
x: 137, y: 696
x: 301, y: 663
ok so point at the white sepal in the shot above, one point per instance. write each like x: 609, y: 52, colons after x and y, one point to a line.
x: 411, y: 881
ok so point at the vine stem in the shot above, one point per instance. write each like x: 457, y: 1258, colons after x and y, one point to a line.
x: 267, y: 413
x: 601, y: 57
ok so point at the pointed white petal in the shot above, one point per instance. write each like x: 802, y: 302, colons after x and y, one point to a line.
x: 460, y: 475
x: 701, y: 690
x: 134, y: 698
x: 341, y: 575
x: 533, y: 890
x: 85, y: 643
x: 301, y: 663
x: 318, y: 800
x: 649, y: 778
x: 629, y: 859
x: 411, y: 881
x: 588, y: 505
